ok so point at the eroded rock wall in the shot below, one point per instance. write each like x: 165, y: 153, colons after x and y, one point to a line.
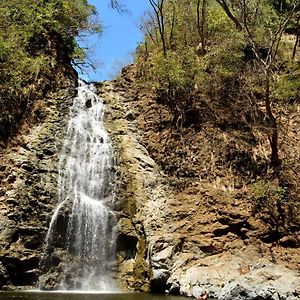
x: 28, y: 186
x: 197, y: 240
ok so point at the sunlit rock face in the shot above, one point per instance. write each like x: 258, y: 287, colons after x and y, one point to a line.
x: 80, y: 244
x: 28, y: 185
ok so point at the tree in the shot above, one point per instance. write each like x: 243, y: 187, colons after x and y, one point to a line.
x: 36, y: 37
x: 201, y: 20
x: 297, y: 40
x: 159, y: 13
x: 245, y: 22
x: 225, y: 5
x: 233, y: 36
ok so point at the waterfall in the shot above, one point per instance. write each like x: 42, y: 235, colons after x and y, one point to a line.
x: 79, y: 248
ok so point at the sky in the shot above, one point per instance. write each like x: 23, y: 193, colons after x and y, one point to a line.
x: 121, y: 35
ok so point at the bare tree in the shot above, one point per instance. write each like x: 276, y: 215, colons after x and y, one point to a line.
x: 158, y: 8
x: 266, y: 62
x: 148, y: 27
x: 115, y: 4
x: 201, y: 20
x: 226, y: 7
x: 297, y: 42
x: 171, y: 39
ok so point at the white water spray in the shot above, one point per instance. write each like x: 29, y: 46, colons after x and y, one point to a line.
x: 83, y: 218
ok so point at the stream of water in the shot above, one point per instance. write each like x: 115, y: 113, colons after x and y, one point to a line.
x: 83, y: 219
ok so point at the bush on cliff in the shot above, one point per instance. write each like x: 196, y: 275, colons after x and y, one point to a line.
x: 36, y: 38
x: 226, y: 52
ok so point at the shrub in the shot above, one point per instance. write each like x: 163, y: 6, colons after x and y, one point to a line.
x: 36, y: 37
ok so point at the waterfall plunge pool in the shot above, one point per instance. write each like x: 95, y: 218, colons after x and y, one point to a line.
x: 37, y: 295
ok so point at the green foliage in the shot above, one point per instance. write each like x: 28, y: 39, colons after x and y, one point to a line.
x: 175, y: 70
x: 271, y: 202
x: 219, y: 25
x: 36, y: 36
x: 287, y: 87
x: 263, y: 191
x: 174, y: 75
x: 228, y: 68
x: 180, y: 74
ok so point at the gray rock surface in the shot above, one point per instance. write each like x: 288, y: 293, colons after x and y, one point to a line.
x: 28, y: 187
x: 223, y: 277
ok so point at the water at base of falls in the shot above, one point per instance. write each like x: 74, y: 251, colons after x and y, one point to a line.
x: 80, y: 243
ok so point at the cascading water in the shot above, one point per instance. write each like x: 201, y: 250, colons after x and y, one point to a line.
x: 81, y: 237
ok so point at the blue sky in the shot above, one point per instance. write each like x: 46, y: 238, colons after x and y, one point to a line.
x: 120, y: 37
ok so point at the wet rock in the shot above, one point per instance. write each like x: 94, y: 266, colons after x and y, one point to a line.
x: 27, y: 279
x: 88, y: 103
x: 58, y: 256
x: 126, y: 227
x: 32, y: 242
x: 289, y: 242
x: 174, y: 288
x: 127, y: 246
x: 158, y: 283
x: 22, y: 272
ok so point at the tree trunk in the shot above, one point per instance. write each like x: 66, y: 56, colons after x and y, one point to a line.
x: 158, y: 9
x: 201, y: 20
x: 228, y: 12
x: 198, y: 19
x: 297, y: 39
x: 273, y: 135
x: 171, y: 39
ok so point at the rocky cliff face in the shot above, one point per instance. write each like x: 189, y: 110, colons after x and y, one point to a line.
x: 28, y: 186
x: 185, y: 221
x: 191, y: 235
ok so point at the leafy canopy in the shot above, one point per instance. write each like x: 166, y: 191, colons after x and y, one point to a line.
x: 35, y: 37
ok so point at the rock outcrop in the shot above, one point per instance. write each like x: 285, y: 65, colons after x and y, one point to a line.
x: 189, y: 233
x: 201, y: 238
x: 28, y: 186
